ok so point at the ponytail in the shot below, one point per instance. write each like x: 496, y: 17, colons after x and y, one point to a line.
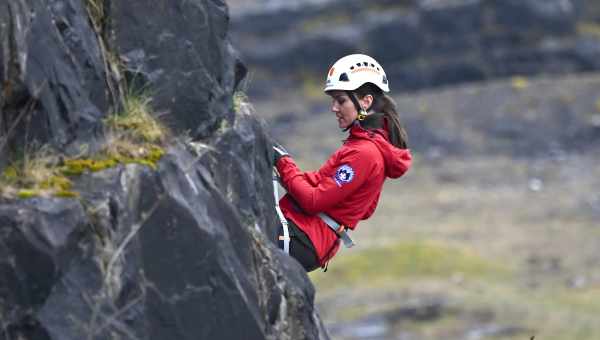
x: 397, y: 133
x: 382, y: 103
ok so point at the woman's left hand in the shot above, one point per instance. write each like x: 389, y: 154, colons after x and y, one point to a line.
x: 279, y: 152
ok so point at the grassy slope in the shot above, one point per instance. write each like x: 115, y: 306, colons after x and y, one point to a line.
x: 515, y: 252
x: 516, y: 238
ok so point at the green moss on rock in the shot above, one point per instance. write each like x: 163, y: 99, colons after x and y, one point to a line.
x: 10, y: 174
x: 26, y: 193
x: 133, y: 136
x: 74, y: 167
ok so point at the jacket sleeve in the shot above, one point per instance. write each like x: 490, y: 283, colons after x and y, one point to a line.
x: 315, y: 192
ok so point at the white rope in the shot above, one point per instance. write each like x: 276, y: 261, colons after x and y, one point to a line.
x: 284, y: 222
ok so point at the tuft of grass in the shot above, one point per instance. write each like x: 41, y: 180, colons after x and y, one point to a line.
x: 240, y: 99
x: 37, y: 174
x: 137, y: 121
x: 406, y: 260
x: 132, y: 136
x: 127, y: 151
x: 96, y: 12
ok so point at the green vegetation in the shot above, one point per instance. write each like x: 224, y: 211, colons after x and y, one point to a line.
x: 96, y: 12
x: 240, y: 99
x: 136, y: 122
x: 37, y: 173
x: 132, y: 136
x: 550, y: 313
x: 391, y: 276
x: 114, y: 154
x: 406, y: 260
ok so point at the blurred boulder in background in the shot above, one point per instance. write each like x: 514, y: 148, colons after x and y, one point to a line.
x: 422, y: 43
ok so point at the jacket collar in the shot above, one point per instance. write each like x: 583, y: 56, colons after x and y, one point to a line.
x: 367, y: 128
x: 373, y: 121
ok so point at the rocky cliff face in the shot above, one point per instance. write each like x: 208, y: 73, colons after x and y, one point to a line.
x: 180, y: 248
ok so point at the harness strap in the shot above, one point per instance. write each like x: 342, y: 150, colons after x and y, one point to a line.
x: 338, y: 229
x: 284, y: 223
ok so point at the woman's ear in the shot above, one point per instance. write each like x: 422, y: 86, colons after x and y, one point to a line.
x: 366, y: 102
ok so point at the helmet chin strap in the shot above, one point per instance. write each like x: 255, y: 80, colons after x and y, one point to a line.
x: 362, y: 113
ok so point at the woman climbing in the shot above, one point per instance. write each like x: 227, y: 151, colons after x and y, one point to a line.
x: 320, y: 206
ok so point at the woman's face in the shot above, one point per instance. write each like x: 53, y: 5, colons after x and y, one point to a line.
x: 343, y: 108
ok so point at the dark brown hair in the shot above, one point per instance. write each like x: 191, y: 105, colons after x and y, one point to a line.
x: 382, y: 103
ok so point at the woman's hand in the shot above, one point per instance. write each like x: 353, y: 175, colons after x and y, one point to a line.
x: 278, y: 152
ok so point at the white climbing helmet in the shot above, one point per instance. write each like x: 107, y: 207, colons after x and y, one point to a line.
x: 354, y: 70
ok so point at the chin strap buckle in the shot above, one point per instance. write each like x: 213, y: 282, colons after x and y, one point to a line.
x: 361, y: 115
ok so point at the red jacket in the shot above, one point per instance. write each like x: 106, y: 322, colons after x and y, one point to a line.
x: 346, y: 187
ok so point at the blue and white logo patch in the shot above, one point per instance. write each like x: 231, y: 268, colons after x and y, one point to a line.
x: 344, y: 175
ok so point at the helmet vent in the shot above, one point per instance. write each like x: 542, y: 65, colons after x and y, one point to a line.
x: 344, y: 77
x: 385, y: 81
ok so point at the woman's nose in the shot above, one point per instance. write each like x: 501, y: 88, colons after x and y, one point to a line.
x: 334, y: 107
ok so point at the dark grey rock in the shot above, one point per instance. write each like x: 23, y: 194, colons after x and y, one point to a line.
x: 395, y: 38
x: 459, y: 71
x: 293, y: 55
x: 421, y: 44
x: 184, y: 251
x: 54, y: 85
x: 543, y: 16
x: 39, y: 242
x: 154, y: 255
x: 181, y: 51
x: 587, y: 52
x: 452, y: 18
x: 247, y: 178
